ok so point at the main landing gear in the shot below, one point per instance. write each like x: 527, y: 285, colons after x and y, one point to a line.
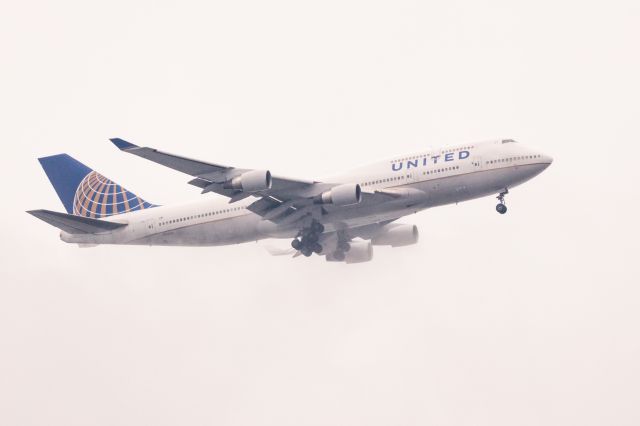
x: 308, y: 243
x: 501, y: 207
x: 342, y: 247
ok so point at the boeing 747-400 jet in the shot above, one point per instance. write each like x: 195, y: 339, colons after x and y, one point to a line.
x: 341, y: 217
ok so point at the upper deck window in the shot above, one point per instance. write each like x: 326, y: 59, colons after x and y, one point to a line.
x: 508, y: 141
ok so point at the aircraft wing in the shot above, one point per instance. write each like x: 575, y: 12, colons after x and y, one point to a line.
x: 208, y: 173
x: 285, y: 201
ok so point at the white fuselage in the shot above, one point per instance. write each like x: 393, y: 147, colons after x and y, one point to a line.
x: 420, y: 181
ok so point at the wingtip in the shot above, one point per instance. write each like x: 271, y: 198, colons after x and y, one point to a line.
x: 35, y: 212
x: 122, y: 144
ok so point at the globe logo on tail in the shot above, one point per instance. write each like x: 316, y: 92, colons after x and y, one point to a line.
x: 98, y: 196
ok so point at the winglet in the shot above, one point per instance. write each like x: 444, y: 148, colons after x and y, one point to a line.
x: 122, y: 144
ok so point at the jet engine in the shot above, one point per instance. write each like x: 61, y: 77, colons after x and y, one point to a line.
x: 360, y: 251
x: 341, y: 195
x: 396, y: 235
x: 251, y: 181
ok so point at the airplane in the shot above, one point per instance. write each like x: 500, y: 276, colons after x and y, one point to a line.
x: 340, y: 218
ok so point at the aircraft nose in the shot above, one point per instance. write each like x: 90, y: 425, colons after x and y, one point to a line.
x: 547, y: 159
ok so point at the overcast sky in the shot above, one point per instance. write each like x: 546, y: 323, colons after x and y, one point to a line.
x: 530, y: 318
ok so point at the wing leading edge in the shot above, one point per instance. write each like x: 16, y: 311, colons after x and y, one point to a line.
x: 288, y: 195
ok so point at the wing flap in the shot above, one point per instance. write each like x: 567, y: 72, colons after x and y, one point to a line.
x: 75, y: 224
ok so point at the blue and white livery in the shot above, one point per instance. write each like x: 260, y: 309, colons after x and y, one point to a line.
x: 341, y: 217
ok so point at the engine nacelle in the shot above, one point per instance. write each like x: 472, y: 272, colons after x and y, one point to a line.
x: 252, y: 181
x: 341, y: 195
x: 360, y: 251
x: 396, y: 235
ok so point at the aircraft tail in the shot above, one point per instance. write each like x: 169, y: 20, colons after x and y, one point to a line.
x: 85, y: 192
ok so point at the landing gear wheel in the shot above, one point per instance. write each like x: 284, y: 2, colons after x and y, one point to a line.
x: 344, y: 246
x: 306, y: 242
x: 501, y: 207
x: 338, y: 255
x: 310, y: 238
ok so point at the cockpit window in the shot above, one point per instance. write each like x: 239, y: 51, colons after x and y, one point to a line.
x: 508, y: 141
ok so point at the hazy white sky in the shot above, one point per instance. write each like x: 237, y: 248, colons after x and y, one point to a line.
x: 525, y: 319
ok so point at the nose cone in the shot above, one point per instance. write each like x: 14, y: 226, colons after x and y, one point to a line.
x: 539, y: 162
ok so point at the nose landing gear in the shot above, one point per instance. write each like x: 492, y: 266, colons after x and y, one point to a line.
x: 501, y: 207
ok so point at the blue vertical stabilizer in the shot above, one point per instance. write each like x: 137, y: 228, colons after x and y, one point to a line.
x: 85, y: 192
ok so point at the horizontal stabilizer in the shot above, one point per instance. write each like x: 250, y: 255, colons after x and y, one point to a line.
x: 75, y: 224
